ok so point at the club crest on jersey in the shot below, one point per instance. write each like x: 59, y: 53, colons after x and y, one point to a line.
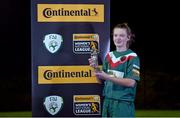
x: 53, y: 42
x: 53, y: 104
x: 123, y: 58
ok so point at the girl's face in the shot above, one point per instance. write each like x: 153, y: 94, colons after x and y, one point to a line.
x: 120, y: 37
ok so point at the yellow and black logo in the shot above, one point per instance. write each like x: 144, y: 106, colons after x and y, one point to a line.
x: 70, y: 12
x: 66, y: 75
x: 86, y: 105
x: 83, y: 43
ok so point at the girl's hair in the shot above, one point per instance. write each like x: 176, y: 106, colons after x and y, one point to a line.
x: 129, y: 33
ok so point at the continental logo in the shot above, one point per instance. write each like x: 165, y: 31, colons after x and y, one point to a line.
x: 70, y: 12
x: 86, y: 98
x: 66, y: 75
x: 85, y: 37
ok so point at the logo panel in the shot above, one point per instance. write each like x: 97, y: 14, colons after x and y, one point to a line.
x: 53, y: 104
x: 83, y: 43
x: 70, y: 12
x: 66, y: 75
x: 53, y: 42
x: 86, y: 105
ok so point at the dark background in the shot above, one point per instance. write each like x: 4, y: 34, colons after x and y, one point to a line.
x: 156, y: 26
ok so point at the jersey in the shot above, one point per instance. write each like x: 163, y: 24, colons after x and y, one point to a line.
x: 121, y: 65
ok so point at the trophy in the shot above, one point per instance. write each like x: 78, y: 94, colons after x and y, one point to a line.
x: 94, y: 56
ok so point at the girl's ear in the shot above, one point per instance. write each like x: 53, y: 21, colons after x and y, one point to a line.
x: 128, y: 38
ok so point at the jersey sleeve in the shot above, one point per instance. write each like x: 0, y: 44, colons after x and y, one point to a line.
x: 133, y: 70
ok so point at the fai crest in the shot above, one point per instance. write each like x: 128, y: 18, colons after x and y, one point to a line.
x: 53, y: 104
x: 53, y: 42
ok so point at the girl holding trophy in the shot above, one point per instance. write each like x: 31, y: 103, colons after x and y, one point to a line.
x: 121, y: 72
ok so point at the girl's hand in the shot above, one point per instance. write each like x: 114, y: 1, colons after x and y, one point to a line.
x: 102, y: 75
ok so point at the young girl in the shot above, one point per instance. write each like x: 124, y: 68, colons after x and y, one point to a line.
x: 121, y: 74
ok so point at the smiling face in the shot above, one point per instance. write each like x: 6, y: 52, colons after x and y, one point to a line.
x: 120, y: 38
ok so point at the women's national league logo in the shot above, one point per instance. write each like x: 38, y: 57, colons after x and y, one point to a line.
x: 53, y: 104
x: 53, y: 42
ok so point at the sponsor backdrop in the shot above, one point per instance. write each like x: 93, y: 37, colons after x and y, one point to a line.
x: 63, y: 34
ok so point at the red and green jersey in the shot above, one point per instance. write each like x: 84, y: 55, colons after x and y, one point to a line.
x: 121, y: 65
